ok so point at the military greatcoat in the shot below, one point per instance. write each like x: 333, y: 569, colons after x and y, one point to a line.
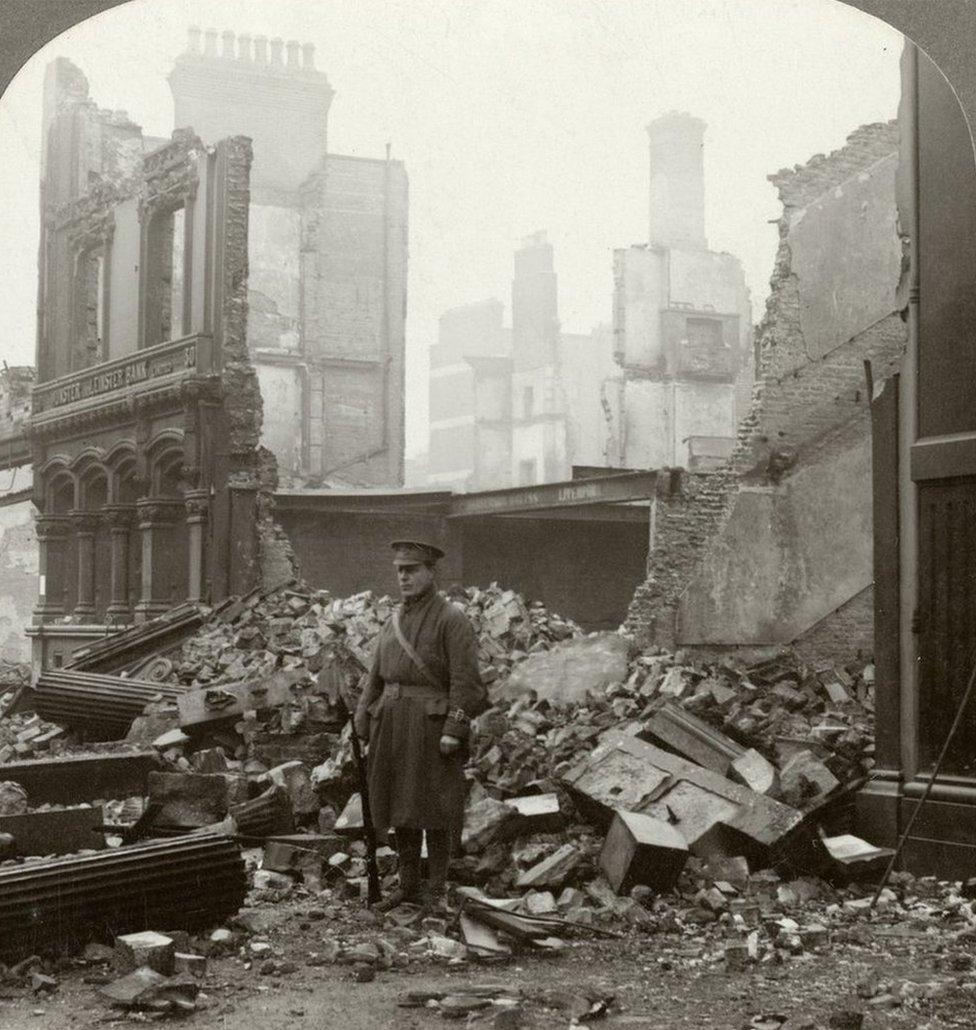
x: 404, y: 715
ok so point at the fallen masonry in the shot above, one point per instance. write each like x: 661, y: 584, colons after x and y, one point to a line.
x: 661, y: 795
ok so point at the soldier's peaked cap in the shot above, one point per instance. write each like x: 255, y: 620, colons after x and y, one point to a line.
x: 415, y: 552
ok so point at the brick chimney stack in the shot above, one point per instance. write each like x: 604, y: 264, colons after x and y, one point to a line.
x: 277, y: 99
x: 677, y: 189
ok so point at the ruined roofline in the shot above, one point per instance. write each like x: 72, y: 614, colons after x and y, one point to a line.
x: 865, y: 146
x: 274, y: 58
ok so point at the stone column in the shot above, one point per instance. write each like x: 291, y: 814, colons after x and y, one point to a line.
x: 120, y: 518
x: 52, y: 533
x: 85, y: 526
x: 156, y: 516
x: 197, y: 507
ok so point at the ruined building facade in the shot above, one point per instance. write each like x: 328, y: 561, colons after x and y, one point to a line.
x: 775, y: 546
x: 519, y: 405
x: 682, y: 320
x: 149, y: 483
x: 665, y: 387
x: 214, y: 313
x: 327, y: 257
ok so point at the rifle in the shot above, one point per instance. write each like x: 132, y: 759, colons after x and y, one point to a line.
x: 372, y: 868
x: 347, y: 666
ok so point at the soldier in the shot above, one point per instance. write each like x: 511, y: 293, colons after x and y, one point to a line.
x: 423, y: 690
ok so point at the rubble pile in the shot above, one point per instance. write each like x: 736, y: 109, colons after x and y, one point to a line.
x: 294, y: 628
x: 798, y: 733
x: 25, y: 735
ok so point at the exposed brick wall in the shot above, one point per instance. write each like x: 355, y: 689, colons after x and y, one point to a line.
x: 845, y: 631
x: 799, y: 405
x: 354, y: 290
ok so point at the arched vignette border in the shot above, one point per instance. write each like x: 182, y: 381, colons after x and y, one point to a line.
x: 945, y: 32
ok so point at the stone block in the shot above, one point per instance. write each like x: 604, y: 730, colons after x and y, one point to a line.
x: 754, y: 771
x: 565, y: 674
x: 486, y: 821
x: 804, y: 778
x: 553, y: 871
x: 146, y: 948
x: 538, y: 813
x: 350, y: 822
x: 639, y: 849
x: 13, y: 798
x: 295, y: 778
x: 194, y: 965
x: 192, y: 800
x: 218, y: 704
x: 56, y: 831
x: 685, y: 734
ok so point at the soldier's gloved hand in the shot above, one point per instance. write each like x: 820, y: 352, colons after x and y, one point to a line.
x: 449, y: 745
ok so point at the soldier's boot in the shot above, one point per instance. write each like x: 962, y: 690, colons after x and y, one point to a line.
x: 408, y: 843
x: 438, y: 860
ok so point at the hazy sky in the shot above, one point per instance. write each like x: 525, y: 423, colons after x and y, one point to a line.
x: 511, y: 116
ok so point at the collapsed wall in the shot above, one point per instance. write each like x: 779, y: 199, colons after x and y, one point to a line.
x: 769, y: 547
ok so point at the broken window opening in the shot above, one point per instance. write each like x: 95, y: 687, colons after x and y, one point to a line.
x: 90, y: 308
x: 165, y: 283
x: 705, y: 333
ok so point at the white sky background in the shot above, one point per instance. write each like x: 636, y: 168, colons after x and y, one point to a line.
x: 511, y: 116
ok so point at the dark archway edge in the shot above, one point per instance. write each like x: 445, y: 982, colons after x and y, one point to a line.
x: 944, y: 29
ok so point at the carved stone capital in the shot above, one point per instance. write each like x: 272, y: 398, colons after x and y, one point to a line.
x: 52, y: 527
x: 155, y: 511
x: 197, y: 505
x: 119, y: 516
x: 84, y: 521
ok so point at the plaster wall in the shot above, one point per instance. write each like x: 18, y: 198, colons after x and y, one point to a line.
x: 640, y: 292
x: 789, y: 555
x: 846, y: 257
x: 18, y: 575
x: 706, y: 280
x: 281, y: 427
x: 123, y: 318
x: 273, y: 244
x: 647, y: 427
x: 701, y: 409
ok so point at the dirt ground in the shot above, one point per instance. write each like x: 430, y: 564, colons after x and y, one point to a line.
x: 658, y: 981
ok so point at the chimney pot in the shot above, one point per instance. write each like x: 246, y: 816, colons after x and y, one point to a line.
x: 244, y: 47
x: 292, y: 47
x: 276, y: 44
x: 228, y: 45
x: 261, y: 49
x: 193, y: 35
x: 210, y: 43
x: 308, y: 56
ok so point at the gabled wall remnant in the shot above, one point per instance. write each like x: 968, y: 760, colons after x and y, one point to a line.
x: 768, y: 547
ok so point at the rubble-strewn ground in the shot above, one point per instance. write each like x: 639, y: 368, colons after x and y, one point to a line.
x: 659, y: 981
x: 716, y: 755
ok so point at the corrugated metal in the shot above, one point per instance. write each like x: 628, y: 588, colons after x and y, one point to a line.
x: 58, y: 905
x: 103, y: 705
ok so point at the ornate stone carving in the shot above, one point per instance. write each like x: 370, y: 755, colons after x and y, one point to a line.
x: 197, y: 505
x: 170, y: 177
x: 52, y: 527
x: 85, y: 521
x: 158, y: 510
x: 119, y: 516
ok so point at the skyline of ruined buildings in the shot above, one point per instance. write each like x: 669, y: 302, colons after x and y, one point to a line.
x: 666, y: 386
x: 327, y: 260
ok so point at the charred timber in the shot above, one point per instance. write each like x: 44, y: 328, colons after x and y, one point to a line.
x: 102, y: 705
x: 58, y: 905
